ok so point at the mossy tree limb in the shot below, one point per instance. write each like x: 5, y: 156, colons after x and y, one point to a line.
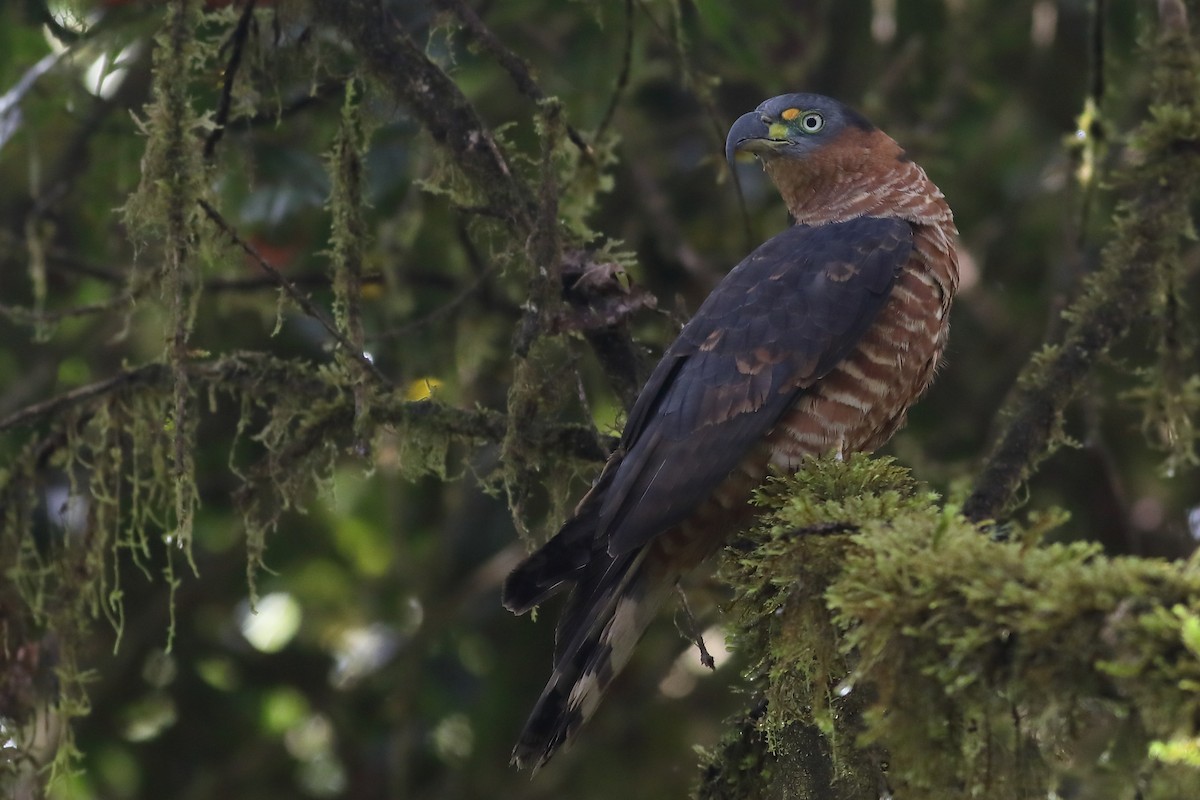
x: 981, y: 668
x: 1148, y: 226
x: 267, y: 377
x: 396, y: 60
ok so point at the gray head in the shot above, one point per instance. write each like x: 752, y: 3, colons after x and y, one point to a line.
x: 792, y: 126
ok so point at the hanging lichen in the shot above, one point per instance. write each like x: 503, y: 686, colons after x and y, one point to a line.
x: 164, y: 215
x: 348, y: 238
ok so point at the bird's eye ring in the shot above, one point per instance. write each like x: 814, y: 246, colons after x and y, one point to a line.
x: 812, y: 122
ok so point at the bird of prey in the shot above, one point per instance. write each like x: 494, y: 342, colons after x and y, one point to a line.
x: 817, y: 342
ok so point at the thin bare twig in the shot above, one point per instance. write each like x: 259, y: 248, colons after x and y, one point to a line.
x: 238, y: 44
x: 623, y: 77
x: 305, y: 304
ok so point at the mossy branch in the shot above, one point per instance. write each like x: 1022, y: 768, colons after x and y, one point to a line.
x: 1148, y: 227
x: 973, y: 667
x: 265, y: 377
x: 513, y: 64
x: 398, y: 63
x: 391, y: 55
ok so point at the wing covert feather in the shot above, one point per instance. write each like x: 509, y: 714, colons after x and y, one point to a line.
x: 778, y: 322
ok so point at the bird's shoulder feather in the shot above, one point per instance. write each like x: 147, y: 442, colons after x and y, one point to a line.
x: 779, y: 321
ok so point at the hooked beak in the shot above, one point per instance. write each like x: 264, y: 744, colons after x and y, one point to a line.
x: 751, y: 135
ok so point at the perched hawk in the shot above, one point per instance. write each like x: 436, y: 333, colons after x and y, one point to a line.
x: 818, y: 341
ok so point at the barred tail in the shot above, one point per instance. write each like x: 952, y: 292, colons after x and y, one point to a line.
x: 609, y: 610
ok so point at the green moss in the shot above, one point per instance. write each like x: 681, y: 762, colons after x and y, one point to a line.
x: 581, y: 175
x: 348, y: 244
x: 984, y: 668
x: 347, y: 204
x: 164, y: 218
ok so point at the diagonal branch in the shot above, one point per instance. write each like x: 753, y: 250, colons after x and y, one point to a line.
x: 237, y: 46
x: 1149, y: 226
x: 355, y: 353
x: 513, y: 64
x: 397, y: 61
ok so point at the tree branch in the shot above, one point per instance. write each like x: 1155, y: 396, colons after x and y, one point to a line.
x: 392, y: 56
x: 267, y: 376
x: 1149, y: 227
x: 306, y: 305
x: 237, y: 46
x: 513, y: 64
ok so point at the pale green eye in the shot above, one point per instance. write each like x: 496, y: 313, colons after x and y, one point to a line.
x: 811, y: 122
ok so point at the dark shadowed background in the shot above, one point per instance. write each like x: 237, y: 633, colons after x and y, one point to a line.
x: 251, y: 562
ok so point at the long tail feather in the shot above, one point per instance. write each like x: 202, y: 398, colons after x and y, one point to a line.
x: 609, y: 610
x: 562, y: 560
x: 551, y: 568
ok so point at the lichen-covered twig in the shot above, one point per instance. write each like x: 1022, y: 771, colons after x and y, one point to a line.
x: 267, y: 377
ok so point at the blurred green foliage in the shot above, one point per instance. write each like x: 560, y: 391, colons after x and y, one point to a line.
x: 340, y: 634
